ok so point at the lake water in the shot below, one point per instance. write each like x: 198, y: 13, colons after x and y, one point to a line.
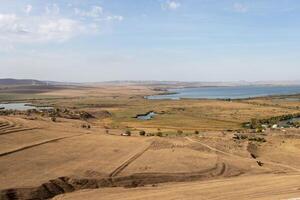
x: 21, y: 106
x: 286, y: 122
x: 147, y: 116
x: 234, y: 92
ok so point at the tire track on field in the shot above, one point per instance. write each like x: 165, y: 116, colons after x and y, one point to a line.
x: 17, y: 130
x: 240, y: 157
x: 8, y: 127
x: 37, y: 144
x: 119, y: 169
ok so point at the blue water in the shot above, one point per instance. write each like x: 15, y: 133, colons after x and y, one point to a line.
x: 21, y: 106
x: 234, y: 92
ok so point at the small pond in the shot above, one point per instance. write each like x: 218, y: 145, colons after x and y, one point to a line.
x: 287, y: 122
x: 146, y: 116
x: 21, y: 106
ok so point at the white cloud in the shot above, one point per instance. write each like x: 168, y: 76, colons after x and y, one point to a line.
x: 239, y: 7
x: 50, y: 26
x: 15, y: 29
x: 28, y: 9
x: 112, y: 18
x: 171, y: 5
x: 9, y: 24
x: 60, y: 29
x: 95, y: 12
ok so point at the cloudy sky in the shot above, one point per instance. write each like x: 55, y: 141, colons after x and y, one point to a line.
x: 186, y: 40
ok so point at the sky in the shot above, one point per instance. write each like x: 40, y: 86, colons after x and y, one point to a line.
x: 170, y: 40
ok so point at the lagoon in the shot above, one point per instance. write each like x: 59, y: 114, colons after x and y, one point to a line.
x: 232, y: 92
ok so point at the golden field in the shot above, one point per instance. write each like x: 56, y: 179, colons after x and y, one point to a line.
x: 41, y: 158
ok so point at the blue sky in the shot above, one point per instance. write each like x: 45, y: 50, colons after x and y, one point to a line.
x: 185, y: 40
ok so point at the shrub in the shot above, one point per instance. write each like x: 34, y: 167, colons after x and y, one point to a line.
x: 142, y: 133
x: 240, y: 137
x: 159, y: 134
x: 257, y: 139
x: 85, y: 126
x: 197, y: 132
x: 128, y: 132
x: 179, y: 132
x: 85, y: 115
x: 259, y: 130
x: 255, y: 123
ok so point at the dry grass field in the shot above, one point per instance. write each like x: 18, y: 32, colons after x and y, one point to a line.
x: 41, y: 158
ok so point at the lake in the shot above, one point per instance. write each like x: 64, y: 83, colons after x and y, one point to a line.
x: 146, y: 116
x: 21, y: 106
x: 233, y: 92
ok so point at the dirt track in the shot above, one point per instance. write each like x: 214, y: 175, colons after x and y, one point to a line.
x: 243, y: 158
x: 36, y: 144
x: 119, y: 169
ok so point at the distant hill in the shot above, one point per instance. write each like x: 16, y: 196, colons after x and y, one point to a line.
x: 10, y: 81
x: 198, y: 83
x: 27, y: 82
